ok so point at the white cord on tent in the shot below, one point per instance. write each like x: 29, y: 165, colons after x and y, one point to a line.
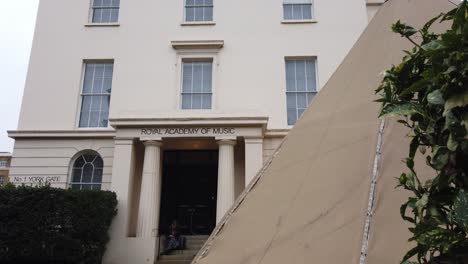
x: 372, y: 194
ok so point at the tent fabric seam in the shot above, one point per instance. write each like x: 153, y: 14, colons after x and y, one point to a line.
x: 372, y: 194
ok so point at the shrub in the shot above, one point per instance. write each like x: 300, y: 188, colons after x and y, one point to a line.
x: 49, y: 225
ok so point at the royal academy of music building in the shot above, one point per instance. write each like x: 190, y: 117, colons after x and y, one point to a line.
x: 174, y: 105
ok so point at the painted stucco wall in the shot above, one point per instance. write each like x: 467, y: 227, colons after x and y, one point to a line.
x: 249, y: 73
x: 50, y: 160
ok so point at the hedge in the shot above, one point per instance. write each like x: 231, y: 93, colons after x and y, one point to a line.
x: 49, y: 225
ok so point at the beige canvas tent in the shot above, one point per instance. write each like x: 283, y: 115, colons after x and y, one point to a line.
x: 328, y: 195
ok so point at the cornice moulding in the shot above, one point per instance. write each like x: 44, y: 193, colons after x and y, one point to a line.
x: 17, y: 134
x: 197, y: 44
x: 189, y: 121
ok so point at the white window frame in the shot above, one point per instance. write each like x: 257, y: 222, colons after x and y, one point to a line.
x: 202, y: 60
x: 200, y: 55
x: 78, y: 155
x: 80, y: 94
x: 3, y: 164
x: 317, y: 88
x: 302, y: 20
x: 91, y: 14
x: 201, y: 21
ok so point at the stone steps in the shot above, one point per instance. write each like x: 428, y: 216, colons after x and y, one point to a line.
x: 193, y: 245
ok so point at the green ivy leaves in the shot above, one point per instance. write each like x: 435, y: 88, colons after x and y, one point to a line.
x: 460, y: 208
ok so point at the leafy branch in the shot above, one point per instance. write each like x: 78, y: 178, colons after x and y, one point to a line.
x: 428, y: 92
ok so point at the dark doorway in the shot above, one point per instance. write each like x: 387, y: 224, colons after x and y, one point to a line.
x: 189, y: 186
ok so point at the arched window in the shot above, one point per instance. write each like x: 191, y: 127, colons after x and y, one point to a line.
x: 87, y: 172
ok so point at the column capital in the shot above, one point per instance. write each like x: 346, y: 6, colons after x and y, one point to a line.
x: 226, y: 142
x: 156, y: 143
x: 253, y: 140
x: 123, y: 141
x: 150, y: 138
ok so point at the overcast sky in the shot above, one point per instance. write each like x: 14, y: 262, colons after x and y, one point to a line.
x: 17, y: 21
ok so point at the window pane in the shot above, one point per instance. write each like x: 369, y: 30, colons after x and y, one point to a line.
x: 208, y: 14
x: 76, y: 175
x: 88, y: 78
x: 114, y: 15
x: 207, y: 75
x: 206, y: 101
x: 98, y: 162
x: 196, y: 101
x: 290, y: 76
x: 311, y: 76
x: 95, y: 110
x: 302, y: 100
x: 96, y: 187
x: 98, y: 81
x: 208, y: 2
x: 87, y: 173
x: 106, y: 3
x: 197, y: 77
x: 186, y: 101
x: 97, y: 178
x: 291, y: 100
x: 287, y: 12
x: 85, y: 109
x: 75, y: 186
x: 199, y: 2
x: 85, y: 187
x: 106, y: 15
x: 106, y: 85
x: 116, y: 3
x: 79, y: 162
x: 190, y: 14
x: 291, y: 108
x: 292, y: 116
x: 97, y: 3
x: 89, y: 157
x: 198, y: 13
x: 104, y: 117
x: 300, y: 75
x: 97, y: 15
x: 190, y: 2
x: 306, y: 11
x: 187, y: 78
x: 297, y: 12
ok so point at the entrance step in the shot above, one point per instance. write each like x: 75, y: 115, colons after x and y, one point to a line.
x: 193, y: 245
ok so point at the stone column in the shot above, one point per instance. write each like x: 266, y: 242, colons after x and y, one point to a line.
x: 225, y: 177
x: 122, y: 181
x: 253, y: 158
x: 150, y: 195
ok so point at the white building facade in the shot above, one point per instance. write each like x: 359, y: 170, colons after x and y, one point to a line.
x: 173, y: 104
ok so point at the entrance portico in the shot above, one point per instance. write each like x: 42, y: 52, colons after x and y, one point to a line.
x: 238, y: 143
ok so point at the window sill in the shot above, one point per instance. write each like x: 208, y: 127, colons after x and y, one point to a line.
x: 304, y: 21
x: 198, y: 23
x: 102, y: 25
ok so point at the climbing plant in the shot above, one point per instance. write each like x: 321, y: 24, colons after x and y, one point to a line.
x: 428, y: 93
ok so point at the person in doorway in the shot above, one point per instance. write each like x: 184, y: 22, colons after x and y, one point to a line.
x: 174, y: 239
